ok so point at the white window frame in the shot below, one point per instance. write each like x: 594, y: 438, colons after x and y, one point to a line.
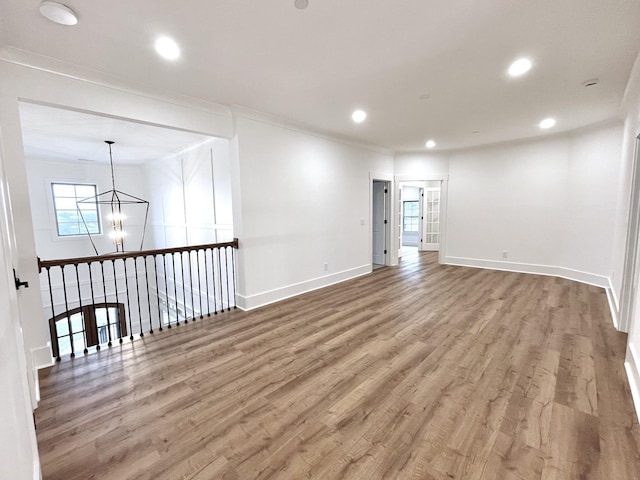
x: 54, y: 210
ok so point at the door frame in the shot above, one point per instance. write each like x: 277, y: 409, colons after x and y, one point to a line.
x: 630, y: 268
x: 444, y: 190
x: 391, y: 257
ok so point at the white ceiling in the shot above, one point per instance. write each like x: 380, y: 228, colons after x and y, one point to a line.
x: 66, y: 135
x: 315, y: 66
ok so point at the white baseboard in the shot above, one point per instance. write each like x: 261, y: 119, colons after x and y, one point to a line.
x: 549, y: 270
x: 42, y: 357
x: 553, y: 271
x: 37, y: 474
x: 633, y: 374
x: 614, y: 305
x: 265, y: 298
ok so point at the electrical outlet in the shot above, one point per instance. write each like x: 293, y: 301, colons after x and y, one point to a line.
x: 505, y: 254
x: 326, y: 266
x: 362, y: 221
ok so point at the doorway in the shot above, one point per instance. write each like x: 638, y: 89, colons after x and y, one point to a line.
x: 380, y: 223
x: 419, y: 216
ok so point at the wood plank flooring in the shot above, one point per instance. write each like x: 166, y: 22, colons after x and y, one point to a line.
x: 418, y: 372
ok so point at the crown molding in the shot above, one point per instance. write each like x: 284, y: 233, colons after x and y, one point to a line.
x: 42, y: 63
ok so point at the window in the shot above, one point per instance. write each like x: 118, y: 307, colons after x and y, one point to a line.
x: 87, y: 326
x: 410, y: 216
x: 68, y: 218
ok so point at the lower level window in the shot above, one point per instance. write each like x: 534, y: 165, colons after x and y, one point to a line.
x: 87, y: 326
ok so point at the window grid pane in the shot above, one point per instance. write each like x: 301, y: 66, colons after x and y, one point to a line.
x: 410, y: 212
x: 68, y: 219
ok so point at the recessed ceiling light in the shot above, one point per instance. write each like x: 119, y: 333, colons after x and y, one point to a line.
x: 58, y: 13
x: 359, y: 116
x: 591, y: 82
x: 301, y: 4
x: 167, y: 48
x: 547, y: 123
x: 519, y: 67
x: 424, y: 96
x: 430, y: 144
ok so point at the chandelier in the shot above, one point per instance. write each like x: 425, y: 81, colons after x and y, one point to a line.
x: 119, y: 205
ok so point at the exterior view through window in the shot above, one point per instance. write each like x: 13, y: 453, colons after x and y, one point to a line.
x: 410, y: 213
x: 68, y: 219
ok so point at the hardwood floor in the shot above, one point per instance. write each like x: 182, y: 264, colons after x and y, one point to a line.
x: 417, y: 372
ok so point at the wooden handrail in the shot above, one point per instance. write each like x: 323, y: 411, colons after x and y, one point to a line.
x: 143, y: 253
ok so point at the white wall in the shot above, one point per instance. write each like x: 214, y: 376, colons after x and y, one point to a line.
x: 301, y: 200
x: 592, y: 195
x: 41, y: 173
x: 191, y: 196
x: 549, y: 203
x: 507, y: 197
x: 420, y: 165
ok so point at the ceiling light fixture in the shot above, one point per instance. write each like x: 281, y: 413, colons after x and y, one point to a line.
x: 301, y: 4
x: 520, y: 67
x: 167, y: 48
x: 58, y: 13
x: 359, y: 116
x: 116, y: 201
x: 547, y: 123
x: 430, y: 144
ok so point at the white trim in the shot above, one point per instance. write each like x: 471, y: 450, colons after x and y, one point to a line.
x: 444, y: 216
x: 41, y: 357
x: 37, y: 474
x: 549, y: 270
x: 24, y: 58
x: 251, y: 302
x: 538, y: 135
x: 633, y: 375
x: 239, y: 111
x: 614, y: 305
x: 391, y: 257
x: 630, y: 265
x: 444, y: 196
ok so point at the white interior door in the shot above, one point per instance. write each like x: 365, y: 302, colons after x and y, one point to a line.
x: 18, y: 447
x: 430, y: 224
x: 379, y: 222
